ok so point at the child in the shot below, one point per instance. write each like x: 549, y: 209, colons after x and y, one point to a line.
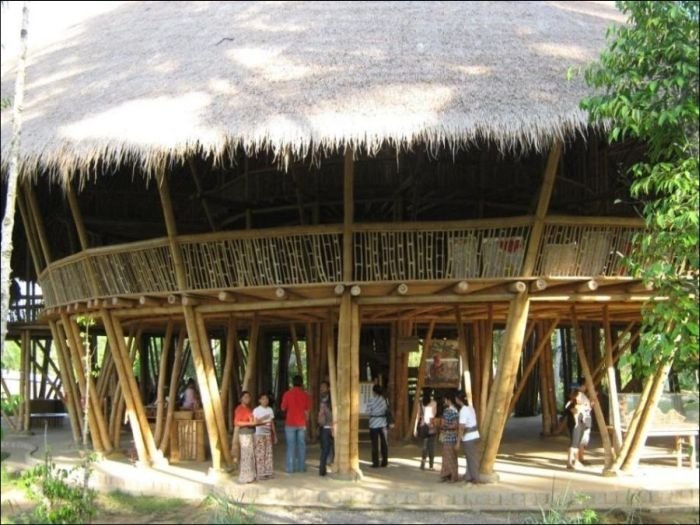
x: 265, y: 435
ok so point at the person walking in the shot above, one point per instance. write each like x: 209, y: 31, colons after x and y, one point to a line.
x: 580, y: 408
x: 425, y: 429
x: 325, y: 424
x: 450, y: 423
x: 377, y: 409
x: 468, y: 438
x: 296, y: 404
x: 265, y: 436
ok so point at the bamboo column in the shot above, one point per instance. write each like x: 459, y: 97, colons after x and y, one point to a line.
x: 591, y: 390
x: 425, y: 350
x: 204, y: 392
x: 170, y: 225
x: 248, y: 377
x: 25, y: 383
x: 227, y: 376
x: 475, y: 360
x: 213, y: 386
x: 143, y: 438
x: 160, y: 393
x: 348, y: 213
x: 355, y: 388
x: 297, y: 350
x: 332, y: 370
x: 487, y: 368
x: 502, y: 391
x: 342, y: 406
x: 68, y: 381
x: 172, y: 391
x: 462, y: 345
x: 90, y: 391
x: 614, y: 404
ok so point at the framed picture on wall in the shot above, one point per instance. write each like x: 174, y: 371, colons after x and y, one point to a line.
x: 442, y: 365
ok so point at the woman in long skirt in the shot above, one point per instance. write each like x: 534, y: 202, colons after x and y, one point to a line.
x: 245, y: 421
x: 264, y: 436
x: 450, y: 423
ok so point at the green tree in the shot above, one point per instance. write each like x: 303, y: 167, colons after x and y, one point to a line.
x: 647, y: 89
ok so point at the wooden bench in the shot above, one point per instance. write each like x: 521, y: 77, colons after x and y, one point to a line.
x: 679, y: 433
x: 47, y: 411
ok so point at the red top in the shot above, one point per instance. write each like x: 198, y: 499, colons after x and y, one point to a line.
x: 242, y: 414
x: 295, y: 402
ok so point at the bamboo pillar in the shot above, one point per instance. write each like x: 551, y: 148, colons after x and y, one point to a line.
x: 348, y: 213
x: 475, y: 360
x: 227, y: 375
x: 591, y: 391
x: 25, y: 380
x: 614, y: 404
x: 297, y: 350
x: 213, y: 386
x: 342, y: 407
x: 203, y: 383
x: 312, y: 361
x: 134, y: 404
x: 487, y: 368
x: 425, y: 351
x: 332, y: 370
x: 499, y: 400
x: 252, y: 354
x: 170, y: 225
x: 68, y: 380
x: 160, y: 392
x: 400, y: 406
x: 172, y: 391
x: 355, y: 388
x: 462, y: 345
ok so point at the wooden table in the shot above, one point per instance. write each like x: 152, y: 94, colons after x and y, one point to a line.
x: 679, y: 433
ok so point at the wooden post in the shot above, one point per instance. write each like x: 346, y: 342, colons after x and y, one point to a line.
x: 348, y: 214
x: 252, y: 354
x: 160, y: 393
x: 421, y: 373
x: 542, y: 207
x: 487, y: 368
x: 129, y: 389
x: 213, y: 386
x: 172, y: 392
x: 590, y: 390
x: 170, y: 225
x: 297, y: 351
x: 502, y: 391
x: 614, y: 404
x: 332, y: 370
x: 25, y: 380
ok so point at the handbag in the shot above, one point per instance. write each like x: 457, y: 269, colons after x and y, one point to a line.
x: 388, y: 414
x: 424, y: 431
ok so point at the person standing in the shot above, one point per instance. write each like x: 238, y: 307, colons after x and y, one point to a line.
x: 245, y: 421
x: 468, y: 438
x: 296, y: 404
x: 377, y: 409
x: 325, y: 424
x: 580, y: 407
x: 191, y: 396
x: 425, y: 429
x: 265, y: 435
x: 450, y: 423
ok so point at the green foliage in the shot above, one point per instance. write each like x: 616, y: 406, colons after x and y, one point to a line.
x: 231, y: 511
x: 11, y: 404
x: 647, y: 89
x: 61, y: 495
x: 561, y: 511
x: 123, y: 501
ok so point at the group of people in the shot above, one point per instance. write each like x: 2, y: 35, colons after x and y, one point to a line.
x: 456, y: 429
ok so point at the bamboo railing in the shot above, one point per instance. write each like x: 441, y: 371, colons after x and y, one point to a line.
x: 388, y: 252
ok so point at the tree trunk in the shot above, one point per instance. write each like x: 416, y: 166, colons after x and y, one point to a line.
x: 8, y: 221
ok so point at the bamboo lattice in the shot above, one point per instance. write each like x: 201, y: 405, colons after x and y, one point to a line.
x: 439, y: 254
x: 585, y: 251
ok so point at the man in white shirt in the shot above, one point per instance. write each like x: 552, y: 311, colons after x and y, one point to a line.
x: 468, y: 437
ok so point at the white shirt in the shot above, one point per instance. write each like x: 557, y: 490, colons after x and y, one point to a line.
x: 261, y: 412
x: 467, y: 418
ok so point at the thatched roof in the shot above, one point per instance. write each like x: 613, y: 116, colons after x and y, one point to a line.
x: 147, y: 80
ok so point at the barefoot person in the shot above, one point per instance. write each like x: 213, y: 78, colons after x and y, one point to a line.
x: 265, y: 436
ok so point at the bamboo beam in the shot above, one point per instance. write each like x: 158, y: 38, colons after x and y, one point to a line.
x: 213, y: 386
x: 538, y: 222
x: 228, y: 297
x: 614, y: 403
x: 160, y: 393
x: 588, y: 286
x: 348, y: 213
x: 145, y: 300
x: 542, y: 343
x: 538, y: 285
x: 401, y: 289
x: 170, y: 225
x: 461, y: 288
x: 499, y: 400
x: 143, y: 439
x: 591, y: 390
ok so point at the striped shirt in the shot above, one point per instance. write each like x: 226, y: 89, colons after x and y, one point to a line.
x: 376, y: 408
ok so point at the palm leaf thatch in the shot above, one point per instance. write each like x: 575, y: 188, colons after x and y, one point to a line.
x: 148, y: 82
